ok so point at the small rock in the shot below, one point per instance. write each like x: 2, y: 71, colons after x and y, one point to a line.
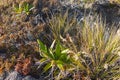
x: 29, y: 78
x: 14, y: 76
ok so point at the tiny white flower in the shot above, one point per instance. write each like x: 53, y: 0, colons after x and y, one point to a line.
x: 76, y: 57
x: 106, y: 66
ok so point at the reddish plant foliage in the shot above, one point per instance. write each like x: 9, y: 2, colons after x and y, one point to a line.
x: 23, y: 66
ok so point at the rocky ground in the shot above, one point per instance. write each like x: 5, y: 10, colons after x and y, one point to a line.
x: 18, y: 32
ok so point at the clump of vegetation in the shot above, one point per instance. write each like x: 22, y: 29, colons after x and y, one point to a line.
x: 56, y: 59
x: 94, y: 53
x: 24, y: 7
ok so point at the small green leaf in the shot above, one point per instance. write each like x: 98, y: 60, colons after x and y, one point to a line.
x: 51, y: 54
x: 65, y: 51
x: 48, y: 66
x: 43, y: 60
x: 60, y: 66
x: 42, y: 46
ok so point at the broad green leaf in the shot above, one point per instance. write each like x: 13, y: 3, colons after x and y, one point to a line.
x: 42, y: 46
x: 58, y: 51
x: 63, y: 57
x: 46, y: 53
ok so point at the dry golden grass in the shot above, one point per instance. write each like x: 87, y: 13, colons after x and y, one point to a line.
x: 114, y: 1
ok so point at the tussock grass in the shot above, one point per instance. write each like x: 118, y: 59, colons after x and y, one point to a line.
x: 94, y: 49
